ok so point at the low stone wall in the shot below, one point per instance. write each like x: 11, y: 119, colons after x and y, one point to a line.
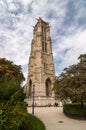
x: 40, y: 101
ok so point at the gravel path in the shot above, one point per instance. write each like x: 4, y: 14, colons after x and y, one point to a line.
x: 54, y: 119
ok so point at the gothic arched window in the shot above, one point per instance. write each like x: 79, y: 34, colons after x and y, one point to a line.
x: 30, y: 87
x: 44, y: 44
x: 48, y: 87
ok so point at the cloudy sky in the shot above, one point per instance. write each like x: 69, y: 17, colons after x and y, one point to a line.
x: 68, y: 29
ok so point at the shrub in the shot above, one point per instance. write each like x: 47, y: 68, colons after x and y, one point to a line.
x: 13, y: 117
x: 75, y: 111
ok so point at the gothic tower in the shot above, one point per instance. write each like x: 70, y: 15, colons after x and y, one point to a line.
x: 41, y: 71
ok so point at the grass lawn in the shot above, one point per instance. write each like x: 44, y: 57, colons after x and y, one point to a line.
x: 34, y: 123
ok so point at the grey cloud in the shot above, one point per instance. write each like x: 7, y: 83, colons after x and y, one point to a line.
x: 75, y: 13
x: 18, y: 16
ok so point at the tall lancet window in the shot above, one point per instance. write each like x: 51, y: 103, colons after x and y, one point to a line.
x: 44, y: 44
x: 45, y: 47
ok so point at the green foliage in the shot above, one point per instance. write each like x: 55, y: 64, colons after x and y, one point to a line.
x: 13, y: 117
x: 75, y: 108
x: 8, y: 88
x: 10, y: 70
x: 75, y: 111
x: 16, y: 118
x: 18, y: 96
x: 13, y: 111
x: 11, y: 78
x: 72, y: 82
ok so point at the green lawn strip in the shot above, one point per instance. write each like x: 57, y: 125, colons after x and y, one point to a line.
x: 35, y: 123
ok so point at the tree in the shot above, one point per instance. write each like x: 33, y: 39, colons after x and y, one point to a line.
x: 11, y: 78
x: 13, y: 112
x: 72, y: 82
x: 10, y: 70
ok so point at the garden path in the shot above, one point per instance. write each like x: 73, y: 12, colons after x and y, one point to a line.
x: 54, y: 119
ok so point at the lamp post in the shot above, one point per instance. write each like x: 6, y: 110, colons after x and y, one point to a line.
x: 33, y: 99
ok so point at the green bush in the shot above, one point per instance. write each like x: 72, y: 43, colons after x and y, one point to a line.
x: 75, y: 110
x: 13, y: 117
x: 17, y: 118
x: 13, y: 111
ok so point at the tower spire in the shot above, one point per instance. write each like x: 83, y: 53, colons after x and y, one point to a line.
x: 41, y: 71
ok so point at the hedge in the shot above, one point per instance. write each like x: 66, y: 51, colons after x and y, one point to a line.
x: 75, y: 111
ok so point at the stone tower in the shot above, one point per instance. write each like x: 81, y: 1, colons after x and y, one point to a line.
x: 41, y: 71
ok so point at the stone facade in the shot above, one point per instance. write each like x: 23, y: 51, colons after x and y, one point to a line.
x: 41, y: 71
